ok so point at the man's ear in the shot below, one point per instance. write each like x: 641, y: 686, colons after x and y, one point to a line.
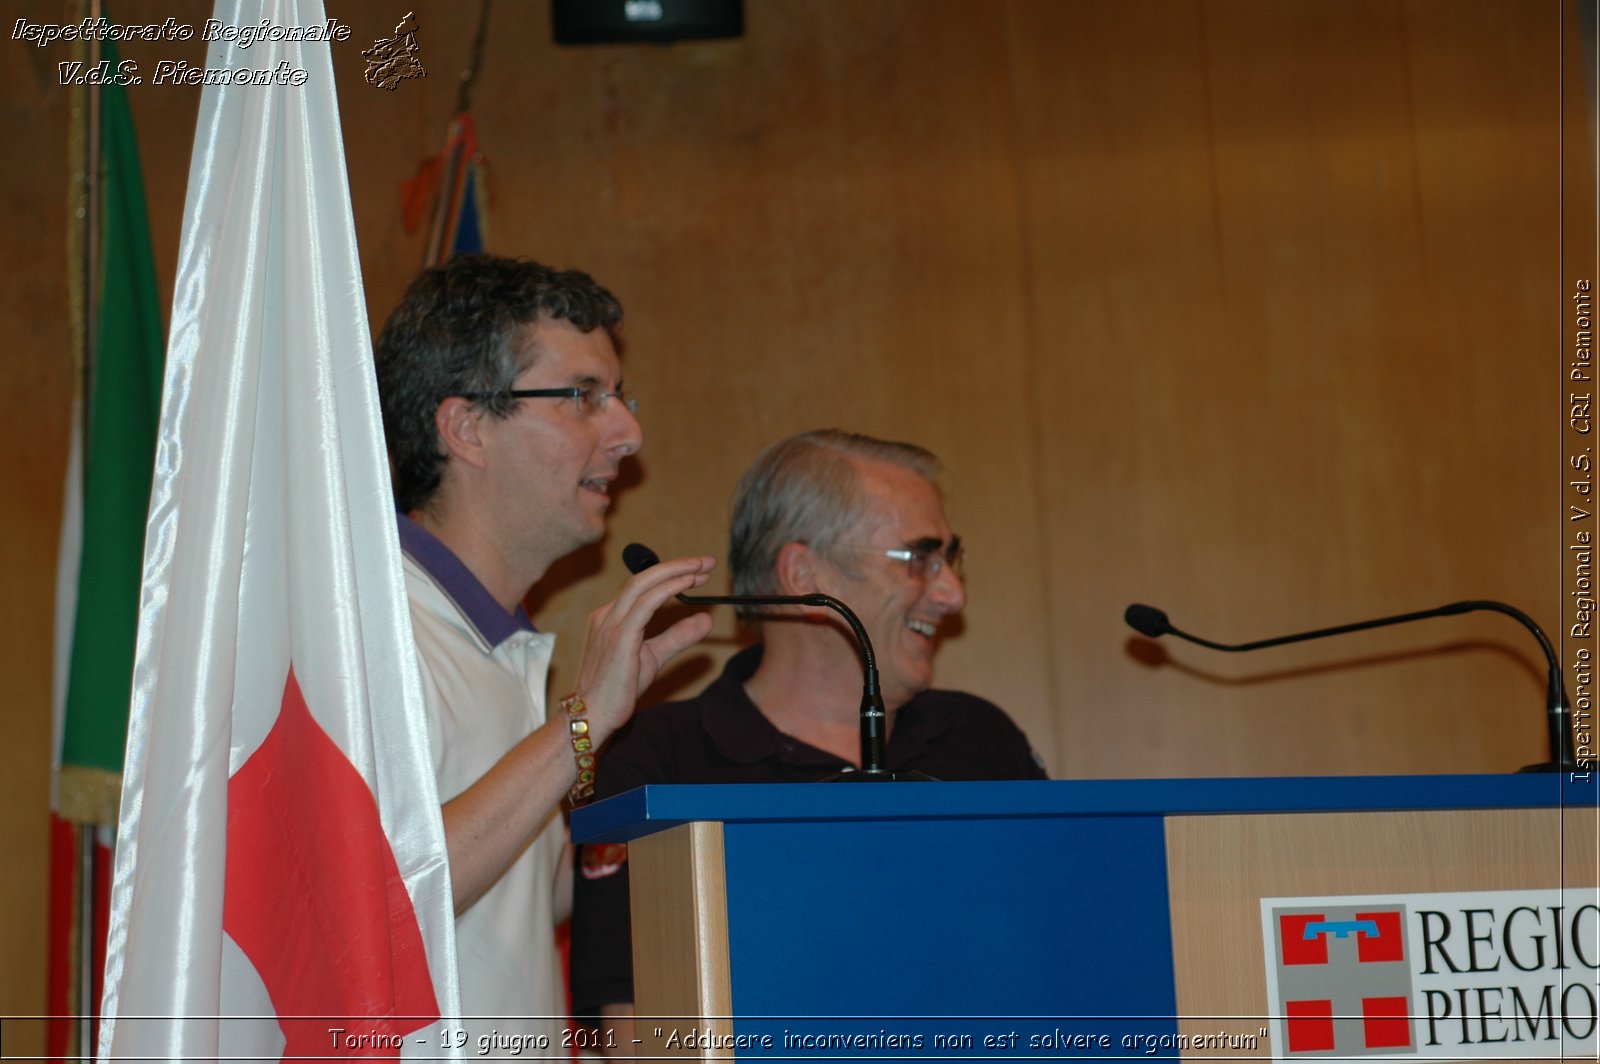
x: 796, y: 570
x: 457, y: 422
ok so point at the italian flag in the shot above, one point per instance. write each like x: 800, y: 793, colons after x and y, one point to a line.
x: 117, y: 322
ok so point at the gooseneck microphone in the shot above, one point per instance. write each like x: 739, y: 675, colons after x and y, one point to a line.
x: 874, y: 721
x: 1152, y: 623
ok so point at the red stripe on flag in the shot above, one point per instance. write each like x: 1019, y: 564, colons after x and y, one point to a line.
x: 61, y: 989
x: 306, y: 855
x: 67, y: 936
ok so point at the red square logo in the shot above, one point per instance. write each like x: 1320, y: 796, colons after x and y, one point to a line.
x: 1385, y: 1022
x: 1310, y: 1025
x: 1297, y: 948
x: 1389, y: 945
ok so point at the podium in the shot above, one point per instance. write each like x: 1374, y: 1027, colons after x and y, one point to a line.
x: 1085, y: 919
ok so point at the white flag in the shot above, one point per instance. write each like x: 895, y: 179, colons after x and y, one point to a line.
x: 280, y: 855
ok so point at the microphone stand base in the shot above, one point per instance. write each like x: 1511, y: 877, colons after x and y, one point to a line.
x: 1555, y: 766
x: 878, y: 775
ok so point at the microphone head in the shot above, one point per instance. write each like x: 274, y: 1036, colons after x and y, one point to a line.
x: 1147, y: 620
x: 637, y: 557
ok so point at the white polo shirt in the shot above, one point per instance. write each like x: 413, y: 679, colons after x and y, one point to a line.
x: 483, y: 678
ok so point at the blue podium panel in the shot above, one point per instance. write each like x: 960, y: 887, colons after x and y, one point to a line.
x: 948, y: 931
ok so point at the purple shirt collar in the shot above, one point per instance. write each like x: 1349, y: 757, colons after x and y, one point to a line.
x: 479, y: 607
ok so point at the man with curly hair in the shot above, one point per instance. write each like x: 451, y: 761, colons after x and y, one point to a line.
x: 506, y: 423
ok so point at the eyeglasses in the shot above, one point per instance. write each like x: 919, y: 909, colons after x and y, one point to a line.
x: 927, y: 558
x: 589, y: 400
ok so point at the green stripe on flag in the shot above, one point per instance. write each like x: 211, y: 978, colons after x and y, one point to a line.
x: 124, y: 402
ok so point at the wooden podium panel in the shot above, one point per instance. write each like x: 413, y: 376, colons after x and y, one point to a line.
x: 1221, y: 866
x: 680, y: 934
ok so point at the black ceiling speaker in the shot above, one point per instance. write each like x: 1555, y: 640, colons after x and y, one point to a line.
x: 627, y: 21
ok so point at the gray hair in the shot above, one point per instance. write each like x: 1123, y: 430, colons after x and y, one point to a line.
x: 805, y: 489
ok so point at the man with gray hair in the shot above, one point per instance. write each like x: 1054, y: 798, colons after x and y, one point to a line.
x: 842, y: 514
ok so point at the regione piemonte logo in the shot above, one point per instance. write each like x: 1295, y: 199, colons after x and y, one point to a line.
x: 1343, y: 980
x: 1458, y: 975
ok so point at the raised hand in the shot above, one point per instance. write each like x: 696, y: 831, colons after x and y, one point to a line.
x: 618, y: 661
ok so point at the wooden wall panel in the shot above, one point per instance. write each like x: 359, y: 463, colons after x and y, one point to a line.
x: 1247, y: 309
x: 816, y: 226
x: 35, y: 410
x: 1267, y: 407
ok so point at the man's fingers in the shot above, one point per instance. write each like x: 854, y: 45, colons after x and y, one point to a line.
x: 662, y: 648
x: 649, y: 591
x: 682, y: 635
x: 615, y: 651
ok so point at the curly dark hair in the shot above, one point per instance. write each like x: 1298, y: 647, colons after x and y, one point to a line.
x: 457, y: 331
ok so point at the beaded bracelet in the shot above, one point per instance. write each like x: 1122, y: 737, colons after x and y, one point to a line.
x: 582, y: 747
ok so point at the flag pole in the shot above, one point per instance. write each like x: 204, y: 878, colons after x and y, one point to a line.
x: 87, y: 1005
x: 91, y: 230
x: 454, y: 183
x: 469, y: 76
